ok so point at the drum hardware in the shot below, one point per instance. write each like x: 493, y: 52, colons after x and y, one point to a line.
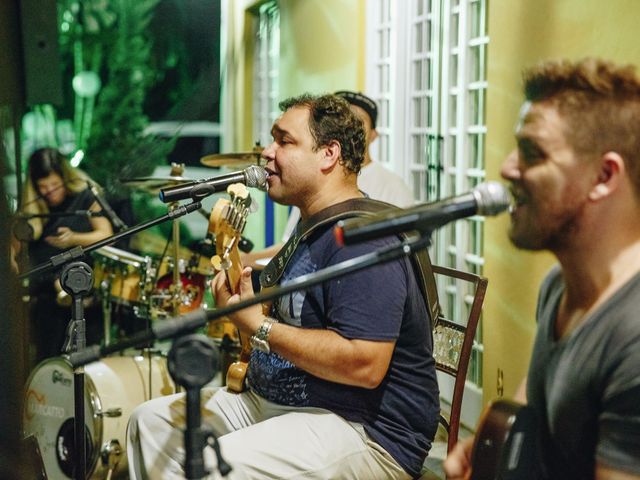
x: 110, y: 413
x: 193, y: 287
x: 110, y: 456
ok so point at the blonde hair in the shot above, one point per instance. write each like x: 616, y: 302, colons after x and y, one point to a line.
x: 42, y: 163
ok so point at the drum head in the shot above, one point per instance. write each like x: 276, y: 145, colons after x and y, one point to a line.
x: 48, y: 415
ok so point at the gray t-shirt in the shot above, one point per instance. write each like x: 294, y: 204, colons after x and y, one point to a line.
x: 585, y: 387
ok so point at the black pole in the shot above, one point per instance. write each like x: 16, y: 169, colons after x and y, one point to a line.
x: 193, y: 362
x: 76, y: 279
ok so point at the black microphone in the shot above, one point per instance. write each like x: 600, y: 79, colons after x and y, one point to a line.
x: 115, y: 220
x: 252, y: 176
x: 488, y: 198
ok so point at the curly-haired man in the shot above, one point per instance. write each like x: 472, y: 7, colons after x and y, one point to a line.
x: 341, y: 381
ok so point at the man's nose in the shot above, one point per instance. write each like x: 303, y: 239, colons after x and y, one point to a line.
x: 509, y: 169
x: 269, y: 151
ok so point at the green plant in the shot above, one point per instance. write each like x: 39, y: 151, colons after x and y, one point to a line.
x: 109, y: 37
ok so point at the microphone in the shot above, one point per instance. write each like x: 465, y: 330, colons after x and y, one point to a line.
x: 252, y: 176
x: 115, y: 220
x: 488, y: 198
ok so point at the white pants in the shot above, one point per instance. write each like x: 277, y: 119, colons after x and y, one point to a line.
x: 258, y: 438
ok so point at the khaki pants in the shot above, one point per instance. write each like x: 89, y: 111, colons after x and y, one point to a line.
x: 258, y: 438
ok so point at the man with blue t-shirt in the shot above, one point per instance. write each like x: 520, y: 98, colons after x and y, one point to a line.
x: 341, y: 382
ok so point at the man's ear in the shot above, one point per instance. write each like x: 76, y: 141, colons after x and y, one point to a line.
x: 611, y: 173
x: 332, y: 153
x: 373, y: 134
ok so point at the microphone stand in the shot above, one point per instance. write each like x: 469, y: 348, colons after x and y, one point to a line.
x: 192, y: 362
x: 76, y: 279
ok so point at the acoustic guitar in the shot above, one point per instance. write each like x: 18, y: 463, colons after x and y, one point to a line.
x: 505, y: 445
x: 226, y: 223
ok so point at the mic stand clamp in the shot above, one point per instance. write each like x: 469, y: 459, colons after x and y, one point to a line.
x: 76, y: 278
x: 192, y: 363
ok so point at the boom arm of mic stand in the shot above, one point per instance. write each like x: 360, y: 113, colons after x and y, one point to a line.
x: 177, y: 326
x: 78, y: 252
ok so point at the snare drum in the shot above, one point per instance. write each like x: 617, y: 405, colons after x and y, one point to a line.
x: 114, y: 386
x: 120, y: 275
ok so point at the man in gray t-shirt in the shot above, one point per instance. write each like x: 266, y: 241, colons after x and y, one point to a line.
x: 575, y: 179
x: 586, y: 384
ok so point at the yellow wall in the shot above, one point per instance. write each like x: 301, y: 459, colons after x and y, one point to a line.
x: 321, y: 50
x: 522, y: 33
x: 322, y: 46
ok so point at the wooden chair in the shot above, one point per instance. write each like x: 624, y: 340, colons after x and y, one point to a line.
x: 453, y: 343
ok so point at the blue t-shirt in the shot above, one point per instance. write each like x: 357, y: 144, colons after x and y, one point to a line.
x: 382, y: 302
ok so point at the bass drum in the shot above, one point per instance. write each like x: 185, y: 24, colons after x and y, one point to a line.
x: 114, y: 386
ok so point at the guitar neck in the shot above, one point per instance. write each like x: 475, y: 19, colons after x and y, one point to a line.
x: 234, y: 272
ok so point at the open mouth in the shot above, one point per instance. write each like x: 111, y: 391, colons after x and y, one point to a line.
x: 517, y: 200
x: 271, y: 173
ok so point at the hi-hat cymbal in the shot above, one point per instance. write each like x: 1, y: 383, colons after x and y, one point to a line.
x: 241, y: 159
x: 155, y: 183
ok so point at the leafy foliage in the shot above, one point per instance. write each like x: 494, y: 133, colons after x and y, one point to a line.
x: 110, y: 36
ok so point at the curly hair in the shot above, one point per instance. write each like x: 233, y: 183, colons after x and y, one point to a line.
x: 331, y: 118
x: 600, y: 102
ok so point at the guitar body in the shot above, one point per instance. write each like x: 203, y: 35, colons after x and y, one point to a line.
x: 226, y: 222
x: 505, y: 445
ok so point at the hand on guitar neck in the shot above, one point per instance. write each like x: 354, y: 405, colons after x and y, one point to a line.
x: 233, y: 283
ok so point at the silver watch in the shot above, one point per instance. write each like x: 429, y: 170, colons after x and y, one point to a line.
x: 260, y: 340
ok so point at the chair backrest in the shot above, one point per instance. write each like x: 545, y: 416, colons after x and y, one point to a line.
x: 453, y: 343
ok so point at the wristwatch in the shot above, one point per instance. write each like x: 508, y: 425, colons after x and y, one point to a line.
x: 260, y: 340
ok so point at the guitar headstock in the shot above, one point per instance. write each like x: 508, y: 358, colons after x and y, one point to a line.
x: 226, y: 223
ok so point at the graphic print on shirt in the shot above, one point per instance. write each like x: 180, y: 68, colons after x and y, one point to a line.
x: 273, y: 377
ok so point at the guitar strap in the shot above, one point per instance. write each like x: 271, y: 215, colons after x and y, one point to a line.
x: 357, y: 207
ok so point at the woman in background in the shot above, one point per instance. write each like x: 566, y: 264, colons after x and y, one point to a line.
x: 54, y: 192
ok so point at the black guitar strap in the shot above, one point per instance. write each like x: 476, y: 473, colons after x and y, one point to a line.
x: 357, y: 207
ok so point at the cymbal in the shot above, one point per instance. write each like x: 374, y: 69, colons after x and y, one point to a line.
x: 241, y: 159
x: 155, y: 183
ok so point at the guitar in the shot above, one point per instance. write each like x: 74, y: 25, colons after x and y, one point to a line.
x: 226, y: 223
x: 505, y: 445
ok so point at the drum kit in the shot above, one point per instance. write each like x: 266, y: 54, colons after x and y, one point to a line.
x: 129, y: 286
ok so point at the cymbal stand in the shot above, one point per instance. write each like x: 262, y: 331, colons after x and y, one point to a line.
x: 105, y: 301
x: 76, y: 278
x: 176, y: 298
